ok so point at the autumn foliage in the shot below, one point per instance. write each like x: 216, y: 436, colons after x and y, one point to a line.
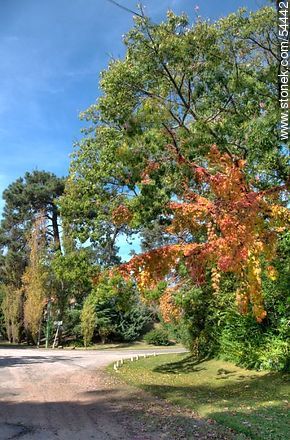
x: 35, y: 279
x: 169, y: 310
x: 239, y: 226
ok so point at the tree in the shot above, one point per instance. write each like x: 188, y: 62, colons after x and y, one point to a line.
x: 184, y: 85
x: 11, y: 306
x: 231, y: 228
x: 88, y: 319
x: 72, y: 271
x: 87, y: 214
x: 35, y: 279
x: 25, y: 199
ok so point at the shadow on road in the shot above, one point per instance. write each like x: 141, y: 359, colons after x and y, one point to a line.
x: 12, y: 361
x: 105, y: 415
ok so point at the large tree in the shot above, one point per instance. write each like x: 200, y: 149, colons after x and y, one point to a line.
x: 180, y: 88
x: 143, y: 165
x: 37, y: 192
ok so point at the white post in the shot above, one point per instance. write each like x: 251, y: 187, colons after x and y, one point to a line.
x: 55, y: 337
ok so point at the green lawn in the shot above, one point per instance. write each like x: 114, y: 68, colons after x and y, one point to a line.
x: 250, y: 402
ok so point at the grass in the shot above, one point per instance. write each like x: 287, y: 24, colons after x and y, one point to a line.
x: 249, y: 402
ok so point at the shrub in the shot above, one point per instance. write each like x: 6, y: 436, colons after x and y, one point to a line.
x: 132, y: 323
x: 72, y: 322
x: 157, y: 337
x: 88, y: 319
x: 113, y: 312
x: 252, y: 345
x: 275, y: 355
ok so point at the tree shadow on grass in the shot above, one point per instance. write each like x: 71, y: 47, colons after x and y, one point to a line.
x: 271, y: 423
x: 253, y: 405
x: 261, y: 389
x: 186, y: 365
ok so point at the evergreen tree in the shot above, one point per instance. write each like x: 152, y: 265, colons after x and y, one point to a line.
x: 27, y: 197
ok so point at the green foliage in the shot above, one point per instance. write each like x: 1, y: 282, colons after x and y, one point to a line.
x: 113, y: 311
x: 274, y: 355
x: 72, y: 322
x: 210, y: 325
x: 88, y: 319
x: 71, y: 272
x: 250, y: 345
x: 75, y: 269
x: 157, y: 336
x: 132, y: 323
x: 184, y: 85
x: 195, y: 329
x: 265, y: 346
x: 180, y: 88
x: 11, y: 307
x: 26, y: 198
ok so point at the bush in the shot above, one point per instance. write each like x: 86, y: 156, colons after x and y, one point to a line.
x: 113, y: 312
x: 240, y: 341
x: 132, y: 323
x: 275, y: 355
x: 88, y: 319
x: 157, y: 337
x: 252, y: 345
x: 72, y: 322
x: 195, y: 328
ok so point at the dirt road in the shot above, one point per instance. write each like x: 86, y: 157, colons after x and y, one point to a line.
x: 66, y: 395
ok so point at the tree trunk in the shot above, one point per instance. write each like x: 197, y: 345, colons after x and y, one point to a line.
x: 55, y: 228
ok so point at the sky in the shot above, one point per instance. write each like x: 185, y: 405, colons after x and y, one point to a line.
x: 52, y: 53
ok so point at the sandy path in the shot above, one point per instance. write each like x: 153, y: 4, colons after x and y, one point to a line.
x: 66, y: 395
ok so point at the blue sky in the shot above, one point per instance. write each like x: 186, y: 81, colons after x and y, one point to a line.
x: 52, y: 52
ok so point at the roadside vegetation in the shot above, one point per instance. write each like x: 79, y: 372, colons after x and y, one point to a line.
x: 255, y: 403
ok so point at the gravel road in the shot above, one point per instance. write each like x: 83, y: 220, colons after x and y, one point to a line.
x: 66, y: 395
